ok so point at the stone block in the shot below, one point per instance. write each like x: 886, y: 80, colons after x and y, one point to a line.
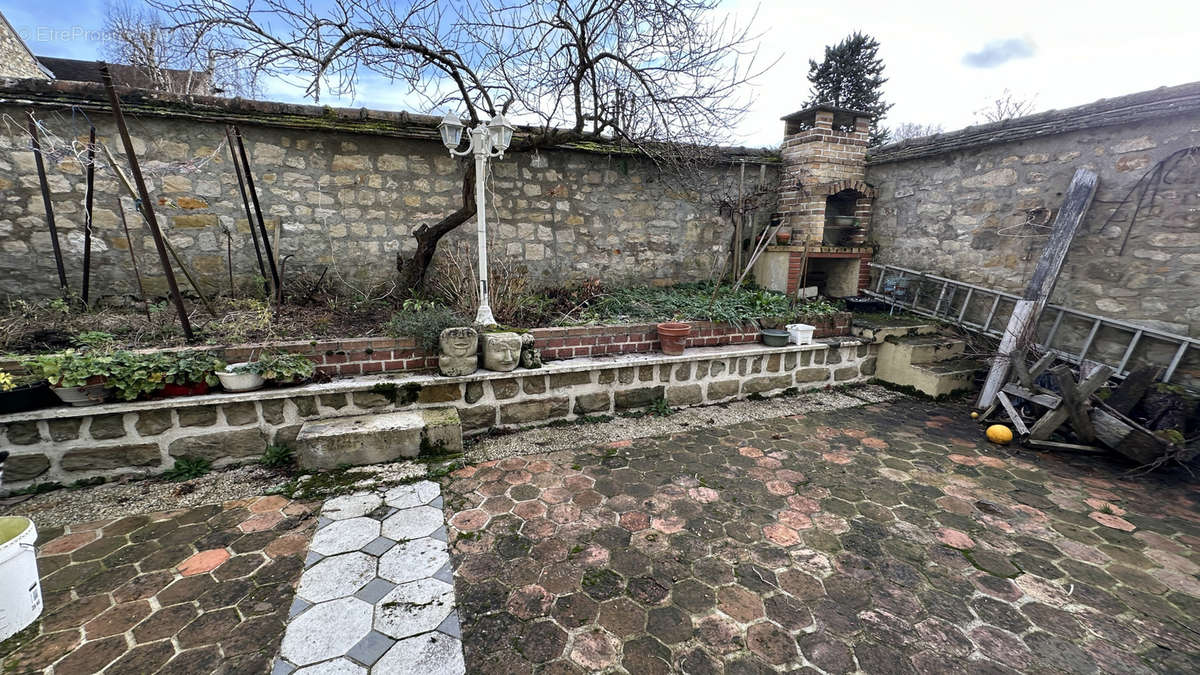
x: 723, y: 389
x: 197, y: 416
x: 114, y: 457
x: 195, y: 220
x: 686, y: 394
x: 477, y: 417
x: 534, y: 385
x: 585, y: 404
x: 443, y: 430
x: 846, y: 373
x: 833, y: 356
x: 664, y: 373
x: 335, y: 401
x: 757, y: 385
x: 224, y: 444
x: 474, y: 392
x: 773, y: 363
x: 153, y: 422
x: 105, y: 427
x: 25, y: 467
x: 358, y: 440
x: 789, y: 361
x: 637, y: 398
x: 306, y: 406
x: 503, y: 389
x: 607, y: 376
x: 440, y: 393
x: 683, y: 372
x: 809, y: 375
x: 716, y: 369
x: 272, y: 411
x: 64, y: 430
x: 524, y: 412
x: 568, y: 379
x: 702, y: 370
x: 23, y: 433
x: 626, y: 375
x: 241, y: 414
x: 287, y: 435
x: 868, y: 366
x: 372, y: 399
x: 645, y: 374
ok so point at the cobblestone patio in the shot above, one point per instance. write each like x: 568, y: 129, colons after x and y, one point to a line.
x: 886, y: 539
x: 191, y: 591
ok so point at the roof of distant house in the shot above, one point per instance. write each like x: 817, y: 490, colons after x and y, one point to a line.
x: 78, y: 70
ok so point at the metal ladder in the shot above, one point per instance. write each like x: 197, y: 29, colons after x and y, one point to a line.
x: 940, y: 303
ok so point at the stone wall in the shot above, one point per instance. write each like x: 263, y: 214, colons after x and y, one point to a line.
x: 15, y: 58
x: 67, y: 445
x: 347, y: 188
x: 969, y: 205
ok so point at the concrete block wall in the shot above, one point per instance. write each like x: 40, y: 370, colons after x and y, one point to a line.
x: 141, y: 438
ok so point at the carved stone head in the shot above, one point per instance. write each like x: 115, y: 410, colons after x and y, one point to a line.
x: 459, y: 342
x: 501, y: 351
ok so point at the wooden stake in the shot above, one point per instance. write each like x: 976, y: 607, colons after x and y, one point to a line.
x: 1022, y: 325
x: 41, y: 169
x: 145, y: 205
x: 132, y: 256
x: 87, y: 215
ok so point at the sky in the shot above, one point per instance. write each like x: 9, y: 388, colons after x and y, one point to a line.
x: 945, y: 60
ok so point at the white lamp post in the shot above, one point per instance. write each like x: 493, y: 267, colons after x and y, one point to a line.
x: 488, y: 139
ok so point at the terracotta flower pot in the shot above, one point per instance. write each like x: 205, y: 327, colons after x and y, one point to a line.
x: 673, y: 336
x: 782, y: 237
x: 191, y: 389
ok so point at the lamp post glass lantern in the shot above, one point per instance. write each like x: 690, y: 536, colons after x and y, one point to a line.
x: 486, y: 140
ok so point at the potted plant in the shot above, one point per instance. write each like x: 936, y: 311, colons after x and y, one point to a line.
x: 772, y: 330
x: 240, y: 376
x: 783, y: 236
x: 133, y: 376
x: 77, y: 378
x: 191, y: 374
x: 672, y: 335
x: 24, y: 393
x: 285, y: 368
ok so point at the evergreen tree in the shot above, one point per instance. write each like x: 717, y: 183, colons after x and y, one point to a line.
x: 851, y: 76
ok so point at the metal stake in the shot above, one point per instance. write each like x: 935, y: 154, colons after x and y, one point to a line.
x: 262, y: 227
x: 237, y: 168
x: 146, y: 205
x: 87, y: 215
x: 41, y: 169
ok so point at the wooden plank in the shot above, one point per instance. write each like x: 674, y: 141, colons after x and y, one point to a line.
x: 1019, y: 369
x: 1136, y: 444
x: 1042, y: 365
x: 1075, y: 406
x: 1023, y: 322
x: 1131, y: 391
x: 1045, y: 400
x: 1013, y: 415
x: 1053, y: 420
x: 1056, y: 445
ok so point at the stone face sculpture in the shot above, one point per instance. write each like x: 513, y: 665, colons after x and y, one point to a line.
x: 459, y: 348
x: 501, y: 351
x: 530, y: 357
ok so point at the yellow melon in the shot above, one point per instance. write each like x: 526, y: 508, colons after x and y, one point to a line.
x: 999, y: 434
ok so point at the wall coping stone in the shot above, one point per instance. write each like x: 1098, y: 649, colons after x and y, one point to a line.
x: 1131, y: 108
x: 366, y: 383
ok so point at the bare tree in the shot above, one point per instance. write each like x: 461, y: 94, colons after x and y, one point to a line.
x: 908, y: 130
x: 179, y: 60
x: 1006, y: 106
x: 664, y: 77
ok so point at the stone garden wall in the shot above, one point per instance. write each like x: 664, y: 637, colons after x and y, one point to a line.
x: 347, y: 187
x: 70, y: 444
x: 966, y: 205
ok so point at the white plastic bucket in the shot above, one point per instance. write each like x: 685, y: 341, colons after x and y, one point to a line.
x: 20, y: 588
x: 800, y: 333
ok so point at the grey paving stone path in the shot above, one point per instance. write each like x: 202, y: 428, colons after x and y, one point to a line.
x: 377, y: 592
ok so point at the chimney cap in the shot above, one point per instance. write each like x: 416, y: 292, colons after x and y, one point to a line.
x: 841, y: 116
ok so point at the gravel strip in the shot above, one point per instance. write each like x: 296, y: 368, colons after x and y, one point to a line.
x: 114, y: 500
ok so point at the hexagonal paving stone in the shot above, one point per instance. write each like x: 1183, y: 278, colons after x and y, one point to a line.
x: 337, y: 577
x: 432, y: 654
x: 325, y: 630
x: 414, y: 607
x: 343, y: 536
x: 411, y: 560
x: 351, y: 506
x: 412, y: 523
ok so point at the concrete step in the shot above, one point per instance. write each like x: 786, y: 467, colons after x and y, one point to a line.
x: 932, y: 379
x: 375, y: 439
x: 877, y: 332
x: 916, y: 349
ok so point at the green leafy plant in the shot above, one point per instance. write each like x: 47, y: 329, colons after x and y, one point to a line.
x: 193, y: 368
x: 424, y: 322
x: 660, y: 408
x: 7, y: 381
x: 70, y: 368
x: 699, y: 301
x: 187, y: 468
x: 277, y: 456
x: 133, y: 375
x: 280, y: 367
x: 95, y: 339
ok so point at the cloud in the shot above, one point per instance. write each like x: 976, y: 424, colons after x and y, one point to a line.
x: 999, y: 52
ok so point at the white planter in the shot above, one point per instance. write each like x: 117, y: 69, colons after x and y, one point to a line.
x: 231, y: 381
x: 20, y: 589
x: 800, y: 333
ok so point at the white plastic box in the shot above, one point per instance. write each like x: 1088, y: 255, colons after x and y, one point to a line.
x: 20, y: 588
x: 800, y: 333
